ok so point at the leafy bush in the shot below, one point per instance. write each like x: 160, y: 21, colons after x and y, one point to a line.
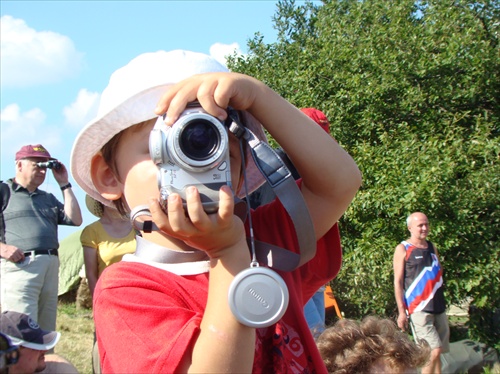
x: 411, y: 91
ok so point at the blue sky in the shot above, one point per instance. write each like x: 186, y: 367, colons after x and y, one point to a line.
x: 57, y: 56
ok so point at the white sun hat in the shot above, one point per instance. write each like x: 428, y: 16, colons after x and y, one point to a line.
x: 131, y: 97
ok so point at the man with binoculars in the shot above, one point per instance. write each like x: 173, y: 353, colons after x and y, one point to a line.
x: 28, y: 235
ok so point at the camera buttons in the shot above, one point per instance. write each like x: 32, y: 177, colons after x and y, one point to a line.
x: 258, y: 297
x: 222, y: 166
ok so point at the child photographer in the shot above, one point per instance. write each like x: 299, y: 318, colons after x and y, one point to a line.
x: 166, y: 309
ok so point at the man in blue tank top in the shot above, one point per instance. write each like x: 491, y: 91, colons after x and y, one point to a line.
x: 418, y: 288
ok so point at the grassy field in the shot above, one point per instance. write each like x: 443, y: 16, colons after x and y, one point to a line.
x: 77, y: 336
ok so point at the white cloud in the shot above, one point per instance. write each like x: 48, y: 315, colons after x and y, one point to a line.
x: 13, y: 121
x: 219, y: 51
x: 30, y: 57
x: 83, y: 109
x: 20, y: 128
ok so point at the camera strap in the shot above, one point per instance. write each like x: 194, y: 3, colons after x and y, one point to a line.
x: 280, y: 179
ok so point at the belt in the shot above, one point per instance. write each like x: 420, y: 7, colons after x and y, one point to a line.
x: 52, y: 252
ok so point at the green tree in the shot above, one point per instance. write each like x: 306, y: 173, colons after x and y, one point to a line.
x: 412, y: 92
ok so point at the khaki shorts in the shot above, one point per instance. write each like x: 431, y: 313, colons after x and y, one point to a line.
x: 433, y: 328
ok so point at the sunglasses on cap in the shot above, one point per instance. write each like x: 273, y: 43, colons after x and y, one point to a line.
x: 9, y: 354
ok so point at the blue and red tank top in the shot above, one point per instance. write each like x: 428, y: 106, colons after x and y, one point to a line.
x: 423, y: 280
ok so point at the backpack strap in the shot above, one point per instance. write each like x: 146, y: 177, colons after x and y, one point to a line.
x: 4, y: 200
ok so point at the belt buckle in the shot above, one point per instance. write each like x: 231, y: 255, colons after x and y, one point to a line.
x: 50, y: 252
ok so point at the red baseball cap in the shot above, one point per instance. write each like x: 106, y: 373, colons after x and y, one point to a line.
x: 318, y: 116
x: 36, y: 150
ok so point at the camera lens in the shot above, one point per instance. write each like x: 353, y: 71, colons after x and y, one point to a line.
x: 199, y: 140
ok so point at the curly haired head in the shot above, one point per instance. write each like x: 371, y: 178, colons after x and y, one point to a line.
x: 370, y: 346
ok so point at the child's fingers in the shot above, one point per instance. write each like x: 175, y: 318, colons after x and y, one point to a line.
x: 183, y: 95
x: 226, y: 204
x: 177, y: 216
x: 196, y: 214
x: 198, y: 87
x: 164, y: 102
x: 224, y: 91
x: 174, y: 101
x: 205, y: 97
x: 158, y: 215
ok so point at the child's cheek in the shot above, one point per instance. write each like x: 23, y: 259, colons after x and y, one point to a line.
x: 141, y: 183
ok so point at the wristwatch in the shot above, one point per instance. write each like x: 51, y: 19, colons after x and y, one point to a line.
x: 66, y: 186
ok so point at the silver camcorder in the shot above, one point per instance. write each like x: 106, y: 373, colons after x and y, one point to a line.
x: 193, y: 152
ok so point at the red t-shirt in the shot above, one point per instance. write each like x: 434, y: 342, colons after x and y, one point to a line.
x: 147, y: 318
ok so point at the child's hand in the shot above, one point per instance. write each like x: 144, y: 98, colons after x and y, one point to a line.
x: 212, y: 233
x: 214, y: 91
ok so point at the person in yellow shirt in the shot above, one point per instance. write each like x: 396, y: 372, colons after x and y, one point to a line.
x: 104, y: 242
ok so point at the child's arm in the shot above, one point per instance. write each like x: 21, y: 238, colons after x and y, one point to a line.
x: 330, y: 176
x: 224, y: 344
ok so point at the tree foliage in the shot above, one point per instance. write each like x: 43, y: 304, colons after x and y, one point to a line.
x: 412, y: 93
